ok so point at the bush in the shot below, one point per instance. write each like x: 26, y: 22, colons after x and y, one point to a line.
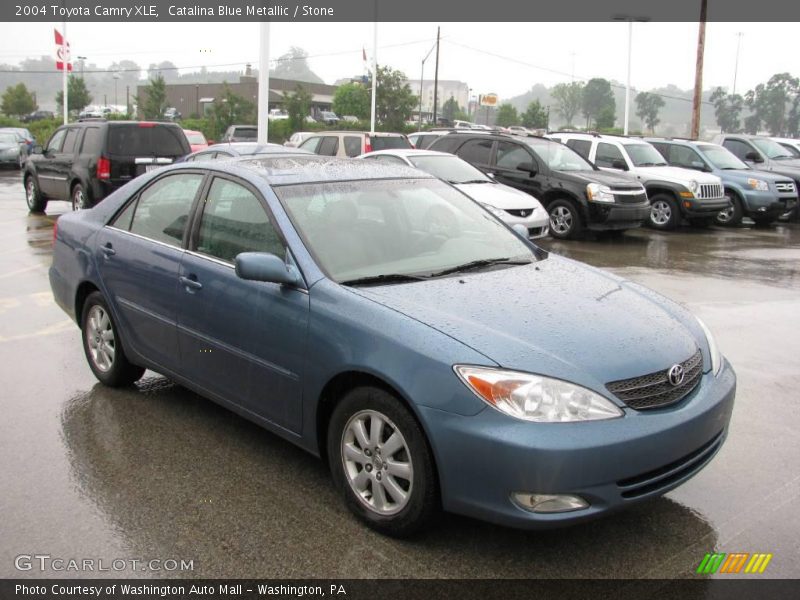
x: 42, y: 130
x: 206, y: 126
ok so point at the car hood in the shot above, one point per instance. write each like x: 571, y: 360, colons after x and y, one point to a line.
x: 789, y: 166
x: 498, y: 195
x: 742, y: 175
x: 609, y: 178
x: 556, y: 317
x: 675, y: 175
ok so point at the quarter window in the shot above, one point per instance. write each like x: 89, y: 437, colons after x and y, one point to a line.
x: 234, y: 221
x: 162, y: 210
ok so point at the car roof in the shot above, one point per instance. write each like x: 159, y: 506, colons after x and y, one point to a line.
x: 351, y: 132
x: 253, y: 148
x: 297, y: 169
x: 409, y: 152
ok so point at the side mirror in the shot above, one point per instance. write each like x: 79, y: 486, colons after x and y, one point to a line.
x: 754, y: 157
x: 619, y: 164
x: 263, y: 266
x: 37, y: 149
x: 698, y: 165
x: 528, y: 167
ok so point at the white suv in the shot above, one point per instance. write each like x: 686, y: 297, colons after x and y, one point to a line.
x: 673, y: 191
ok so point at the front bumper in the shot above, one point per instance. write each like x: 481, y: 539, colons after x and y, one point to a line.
x: 694, y: 207
x: 604, y: 216
x: 612, y: 464
x: 767, y: 204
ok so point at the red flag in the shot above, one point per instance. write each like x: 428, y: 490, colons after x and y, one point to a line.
x: 62, y: 52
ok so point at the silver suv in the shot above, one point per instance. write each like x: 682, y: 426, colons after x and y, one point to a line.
x: 674, y: 192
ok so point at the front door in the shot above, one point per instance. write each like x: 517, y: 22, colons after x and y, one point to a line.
x: 508, y: 157
x: 46, y: 172
x: 241, y: 340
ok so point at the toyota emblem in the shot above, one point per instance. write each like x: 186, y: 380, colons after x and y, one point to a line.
x: 675, y: 375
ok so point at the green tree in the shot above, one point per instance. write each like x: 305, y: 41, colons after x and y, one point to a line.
x: 606, y: 118
x: 597, y: 99
x: 450, y: 109
x: 155, y: 102
x: 769, y: 101
x: 17, y: 101
x: 647, y: 108
x: 727, y: 108
x: 294, y: 66
x: 507, y: 115
x: 535, y: 116
x: 297, y: 105
x: 394, y: 101
x: 231, y: 108
x: 569, y: 99
x: 78, y: 96
x: 352, y: 99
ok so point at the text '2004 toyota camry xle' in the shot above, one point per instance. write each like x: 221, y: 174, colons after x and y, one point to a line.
x: 381, y: 319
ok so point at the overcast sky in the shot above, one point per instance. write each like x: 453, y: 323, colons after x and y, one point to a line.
x: 506, y: 58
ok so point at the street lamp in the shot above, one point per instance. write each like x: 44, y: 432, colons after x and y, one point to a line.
x: 421, y: 79
x: 630, y: 21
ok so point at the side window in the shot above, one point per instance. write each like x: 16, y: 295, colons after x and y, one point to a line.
x: 54, y: 145
x: 476, y: 152
x: 234, y: 221
x: 311, y: 144
x: 330, y: 145
x: 163, y: 208
x: 607, y: 154
x: 682, y: 156
x: 352, y: 145
x: 582, y: 147
x: 739, y: 148
x: 69, y: 141
x: 91, y: 141
x: 509, y: 155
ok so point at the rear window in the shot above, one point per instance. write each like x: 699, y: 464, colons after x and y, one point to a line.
x: 157, y: 140
x: 389, y: 142
x: 245, y: 133
x: 196, y: 138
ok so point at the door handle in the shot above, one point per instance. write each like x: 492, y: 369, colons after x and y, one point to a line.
x: 190, y: 284
x: 108, y: 250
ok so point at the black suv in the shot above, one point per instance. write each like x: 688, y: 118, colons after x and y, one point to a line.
x: 575, y: 193
x: 84, y: 162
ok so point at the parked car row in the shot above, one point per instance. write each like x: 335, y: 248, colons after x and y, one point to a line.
x: 16, y: 144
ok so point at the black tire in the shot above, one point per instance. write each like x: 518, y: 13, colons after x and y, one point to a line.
x: 118, y: 371
x: 566, y: 222
x: 664, y: 212
x: 422, y: 488
x: 79, y: 198
x: 732, y: 216
x: 33, y: 196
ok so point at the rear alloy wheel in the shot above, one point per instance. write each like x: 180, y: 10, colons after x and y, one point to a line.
x: 102, y: 346
x: 663, y: 212
x: 80, y: 200
x: 565, y: 220
x: 380, y: 461
x: 732, y: 215
x: 33, y: 197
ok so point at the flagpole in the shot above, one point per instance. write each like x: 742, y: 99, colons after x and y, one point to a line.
x: 65, y: 67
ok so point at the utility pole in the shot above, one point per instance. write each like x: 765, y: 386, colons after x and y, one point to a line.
x: 698, y: 76
x: 65, y: 64
x: 263, y: 83
x: 736, y: 65
x: 436, y: 78
x: 128, y: 101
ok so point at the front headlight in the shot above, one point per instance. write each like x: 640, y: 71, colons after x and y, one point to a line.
x: 497, y: 212
x: 758, y: 184
x: 713, y: 350
x: 536, y: 398
x: 599, y: 193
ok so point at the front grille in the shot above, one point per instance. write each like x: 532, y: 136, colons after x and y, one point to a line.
x: 710, y: 190
x: 655, y: 390
x: 630, y: 198
x: 785, y: 187
x: 520, y: 212
x: 674, y: 472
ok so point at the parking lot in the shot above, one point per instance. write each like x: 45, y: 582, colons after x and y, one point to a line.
x: 157, y: 472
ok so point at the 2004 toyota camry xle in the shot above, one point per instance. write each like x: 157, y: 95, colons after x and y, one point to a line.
x: 381, y: 319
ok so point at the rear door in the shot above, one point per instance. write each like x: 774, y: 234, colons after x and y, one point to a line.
x: 241, y: 340
x: 136, y: 148
x: 139, y: 257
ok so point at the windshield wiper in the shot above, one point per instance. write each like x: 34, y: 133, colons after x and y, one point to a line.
x: 472, y: 181
x: 385, y: 278
x: 477, y: 264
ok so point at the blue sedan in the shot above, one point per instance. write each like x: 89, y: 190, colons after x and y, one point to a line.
x: 382, y: 320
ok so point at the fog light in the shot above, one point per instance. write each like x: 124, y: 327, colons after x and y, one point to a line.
x: 548, y: 503
x: 687, y: 204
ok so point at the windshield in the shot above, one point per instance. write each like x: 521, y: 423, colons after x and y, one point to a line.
x: 358, y: 229
x: 644, y: 155
x: 721, y: 157
x: 770, y: 148
x: 450, y: 168
x: 8, y: 138
x: 557, y: 156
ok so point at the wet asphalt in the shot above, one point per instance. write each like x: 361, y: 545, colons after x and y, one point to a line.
x: 157, y: 472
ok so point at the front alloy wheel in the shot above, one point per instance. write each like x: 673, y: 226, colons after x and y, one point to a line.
x: 100, y: 339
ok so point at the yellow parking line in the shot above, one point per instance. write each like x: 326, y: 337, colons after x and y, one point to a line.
x: 23, y: 270
x: 49, y: 330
